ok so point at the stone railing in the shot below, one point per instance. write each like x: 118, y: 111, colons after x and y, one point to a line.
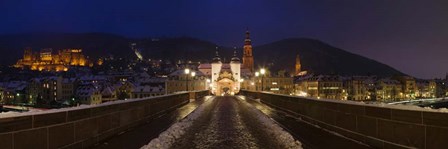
x: 82, y: 127
x: 380, y: 126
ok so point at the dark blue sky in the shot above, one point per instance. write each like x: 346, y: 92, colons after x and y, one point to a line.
x: 410, y: 35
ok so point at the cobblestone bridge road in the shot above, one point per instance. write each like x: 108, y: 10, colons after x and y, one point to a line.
x: 227, y: 123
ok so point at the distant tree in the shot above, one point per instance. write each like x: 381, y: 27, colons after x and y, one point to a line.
x: 122, y: 95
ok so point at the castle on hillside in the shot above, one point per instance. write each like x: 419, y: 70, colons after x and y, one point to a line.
x: 46, y: 60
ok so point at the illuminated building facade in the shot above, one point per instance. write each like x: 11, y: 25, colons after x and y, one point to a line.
x: 47, y: 60
x: 178, y: 81
x: 327, y: 87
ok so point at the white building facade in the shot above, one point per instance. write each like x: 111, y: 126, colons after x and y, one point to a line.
x: 225, y: 77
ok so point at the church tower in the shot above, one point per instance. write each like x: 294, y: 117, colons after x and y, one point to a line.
x: 298, y: 65
x: 248, y: 59
x: 216, y: 67
x: 235, y: 66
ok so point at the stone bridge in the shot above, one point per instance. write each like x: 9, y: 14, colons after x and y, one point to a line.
x: 227, y: 122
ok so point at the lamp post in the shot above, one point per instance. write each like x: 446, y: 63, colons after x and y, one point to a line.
x: 208, y: 84
x: 262, y: 72
x: 192, y: 76
x: 187, y: 71
x: 256, y: 81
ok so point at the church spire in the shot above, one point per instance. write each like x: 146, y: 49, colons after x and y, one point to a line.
x: 235, y: 59
x: 216, y: 59
x: 298, y: 65
x: 248, y: 59
x: 247, y: 41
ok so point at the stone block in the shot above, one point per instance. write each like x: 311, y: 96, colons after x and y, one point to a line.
x: 407, y: 116
x: 107, y: 122
x: 74, y: 115
x: 61, y: 135
x: 103, y: 110
x: 378, y: 112
x: 374, y: 143
x: 86, y: 129
x: 436, y: 137
x: 344, y: 120
x: 352, y: 109
x: 367, y: 126
x: 393, y: 146
x: 126, y: 117
x: 35, y: 138
x: 435, y: 119
x: 411, y: 135
x: 15, y: 123
x: 6, y: 141
x: 49, y: 119
x: 327, y: 116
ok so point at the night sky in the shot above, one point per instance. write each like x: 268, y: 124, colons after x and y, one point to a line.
x: 410, y: 35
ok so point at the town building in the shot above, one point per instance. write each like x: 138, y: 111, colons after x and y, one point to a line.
x: 279, y: 83
x: 357, y: 88
x: 388, y: 90
x: 426, y: 89
x: 409, y: 87
x: 14, y: 92
x: 321, y: 86
x: 88, y: 94
x: 147, y: 91
x: 179, y: 81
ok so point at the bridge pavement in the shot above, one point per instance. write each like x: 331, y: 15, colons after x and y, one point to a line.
x: 226, y: 123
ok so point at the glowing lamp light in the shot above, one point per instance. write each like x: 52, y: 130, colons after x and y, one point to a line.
x: 262, y: 71
x: 257, y: 74
x: 208, y: 80
x: 193, y: 74
x: 187, y: 71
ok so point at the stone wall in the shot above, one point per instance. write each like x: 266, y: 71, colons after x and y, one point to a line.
x: 82, y: 127
x: 376, y: 125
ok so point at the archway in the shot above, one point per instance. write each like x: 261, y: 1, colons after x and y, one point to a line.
x: 225, y: 86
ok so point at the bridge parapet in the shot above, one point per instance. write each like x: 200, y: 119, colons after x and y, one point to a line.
x: 82, y: 127
x: 380, y: 126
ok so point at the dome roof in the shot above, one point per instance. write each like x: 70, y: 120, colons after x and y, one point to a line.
x: 216, y: 59
x: 235, y: 59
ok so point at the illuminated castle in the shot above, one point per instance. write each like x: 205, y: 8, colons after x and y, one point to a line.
x: 49, y: 61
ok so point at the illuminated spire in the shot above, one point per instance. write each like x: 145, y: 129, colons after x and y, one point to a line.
x: 235, y: 59
x: 216, y: 59
x: 247, y: 41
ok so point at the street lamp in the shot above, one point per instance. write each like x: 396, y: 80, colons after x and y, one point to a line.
x: 192, y: 76
x: 187, y: 71
x: 208, y: 85
x: 242, y: 84
x: 256, y: 81
x: 262, y: 71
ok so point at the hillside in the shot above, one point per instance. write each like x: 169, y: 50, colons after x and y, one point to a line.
x: 316, y: 56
